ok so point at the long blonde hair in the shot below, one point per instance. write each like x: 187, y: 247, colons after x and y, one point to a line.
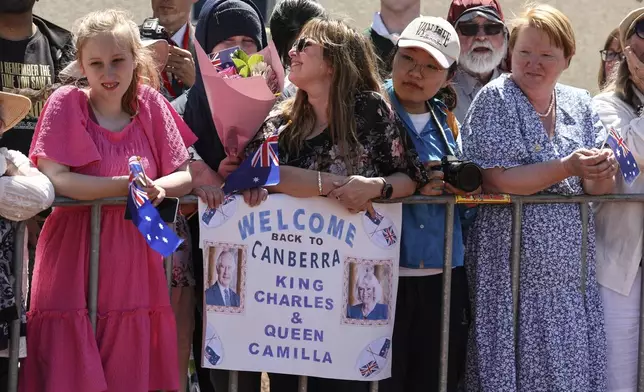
x: 353, y: 61
x: 122, y: 27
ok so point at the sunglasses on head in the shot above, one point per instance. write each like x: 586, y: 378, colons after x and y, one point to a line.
x: 639, y: 29
x: 302, y: 43
x: 609, y: 55
x: 471, y: 29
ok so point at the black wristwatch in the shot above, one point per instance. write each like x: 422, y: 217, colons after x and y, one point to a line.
x: 387, y: 190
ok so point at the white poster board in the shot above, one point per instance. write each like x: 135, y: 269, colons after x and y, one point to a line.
x: 300, y: 286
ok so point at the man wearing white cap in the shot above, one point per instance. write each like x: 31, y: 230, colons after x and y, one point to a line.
x: 484, y: 40
x: 424, y: 62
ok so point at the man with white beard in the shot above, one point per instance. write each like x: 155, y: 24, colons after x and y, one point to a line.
x: 484, y: 40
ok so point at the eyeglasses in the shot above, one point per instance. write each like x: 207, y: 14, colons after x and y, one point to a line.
x: 302, y: 43
x: 408, y: 63
x: 472, y: 29
x: 609, y: 55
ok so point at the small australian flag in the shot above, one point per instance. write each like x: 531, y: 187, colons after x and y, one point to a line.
x: 212, y: 356
x: 624, y: 156
x: 385, y: 348
x: 223, y: 59
x: 146, y: 217
x: 260, y: 169
x: 376, y: 219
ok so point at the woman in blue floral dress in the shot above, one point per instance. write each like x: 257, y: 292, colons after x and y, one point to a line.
x: 532, y: 135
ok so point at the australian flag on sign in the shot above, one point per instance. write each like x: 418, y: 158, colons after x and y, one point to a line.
x: 260, y: 169
x: 376, y: 218
x: 212, y: 356
x: 385, y: 348
x: 146, y: 217
x: 368, y: 369
x: 624, y: 156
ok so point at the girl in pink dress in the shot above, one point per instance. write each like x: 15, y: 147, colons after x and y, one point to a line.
x: 82, y: 142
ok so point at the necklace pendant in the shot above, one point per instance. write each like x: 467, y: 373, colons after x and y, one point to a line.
x: 537, y: 148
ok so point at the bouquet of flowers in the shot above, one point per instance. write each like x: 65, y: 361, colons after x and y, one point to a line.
x: 254, y: 65
x: 241, y: 91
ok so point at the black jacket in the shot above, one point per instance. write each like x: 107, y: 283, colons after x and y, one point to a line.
x: 61, y: 44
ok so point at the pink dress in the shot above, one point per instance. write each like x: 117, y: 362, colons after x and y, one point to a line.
x: 135, y: 348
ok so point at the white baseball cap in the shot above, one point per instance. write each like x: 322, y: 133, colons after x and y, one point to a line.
x: 434, y: 35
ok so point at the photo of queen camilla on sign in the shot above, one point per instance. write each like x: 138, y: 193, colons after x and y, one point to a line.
x: 367, y: 292
x: 225, y: 282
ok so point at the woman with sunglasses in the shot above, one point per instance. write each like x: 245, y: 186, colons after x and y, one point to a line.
x: 620, y: 226
x: 339, y: 137
x: 532, y: 135
x: 611, y: 55
x: 420, y: 69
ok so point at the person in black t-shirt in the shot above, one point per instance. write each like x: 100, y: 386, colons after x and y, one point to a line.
x: 33, y: 52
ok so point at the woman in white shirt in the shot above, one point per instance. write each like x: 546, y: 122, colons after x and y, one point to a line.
x: 620, y: 226
x: 24, y: 192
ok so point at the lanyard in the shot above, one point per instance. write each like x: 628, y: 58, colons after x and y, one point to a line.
x: 164, y: 75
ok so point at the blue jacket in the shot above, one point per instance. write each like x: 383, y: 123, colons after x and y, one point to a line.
x: 423, y: 226
x: 379, y: 312
x: 213, y: 296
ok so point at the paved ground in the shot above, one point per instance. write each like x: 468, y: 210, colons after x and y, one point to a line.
x: 592, y: 20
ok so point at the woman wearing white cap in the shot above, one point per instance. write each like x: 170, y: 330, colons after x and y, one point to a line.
x: 620, y: 226
x: 24, y: 192
x: 424, y: 62
x: 532, y: 135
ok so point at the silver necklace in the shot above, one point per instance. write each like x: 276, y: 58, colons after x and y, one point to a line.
x: 552, y: 105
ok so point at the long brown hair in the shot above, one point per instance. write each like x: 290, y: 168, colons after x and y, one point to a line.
x: 601, y: 77
x: 353, y: 61
x: 621, y: 84
x: 119, y: 24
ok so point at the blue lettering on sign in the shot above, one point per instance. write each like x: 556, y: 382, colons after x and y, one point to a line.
x: 280, y: 221
x: 286, y: 352
x: 246, y: 227
x: 316, y: 223
x: 264, y: 221
x: 296, y: 216
x: 296, y: 259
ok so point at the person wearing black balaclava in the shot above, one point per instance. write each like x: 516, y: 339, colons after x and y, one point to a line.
x: 222, y: 24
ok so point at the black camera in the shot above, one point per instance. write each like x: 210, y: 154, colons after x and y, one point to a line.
x: 464, y: 175
x: 151, y: 29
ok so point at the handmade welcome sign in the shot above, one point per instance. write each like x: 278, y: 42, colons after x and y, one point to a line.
x: 300, y: 286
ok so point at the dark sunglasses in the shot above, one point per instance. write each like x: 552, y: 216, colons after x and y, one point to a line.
x: 302, y: 43
x: 639, y: 29
x: 609, y: 55
x: 472, y: 29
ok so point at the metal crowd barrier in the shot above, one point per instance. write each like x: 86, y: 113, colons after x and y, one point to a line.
x: 450, y: 202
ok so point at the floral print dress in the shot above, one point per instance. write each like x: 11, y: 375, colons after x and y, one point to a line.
x: 561, y: 342
x: 383, y: 149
